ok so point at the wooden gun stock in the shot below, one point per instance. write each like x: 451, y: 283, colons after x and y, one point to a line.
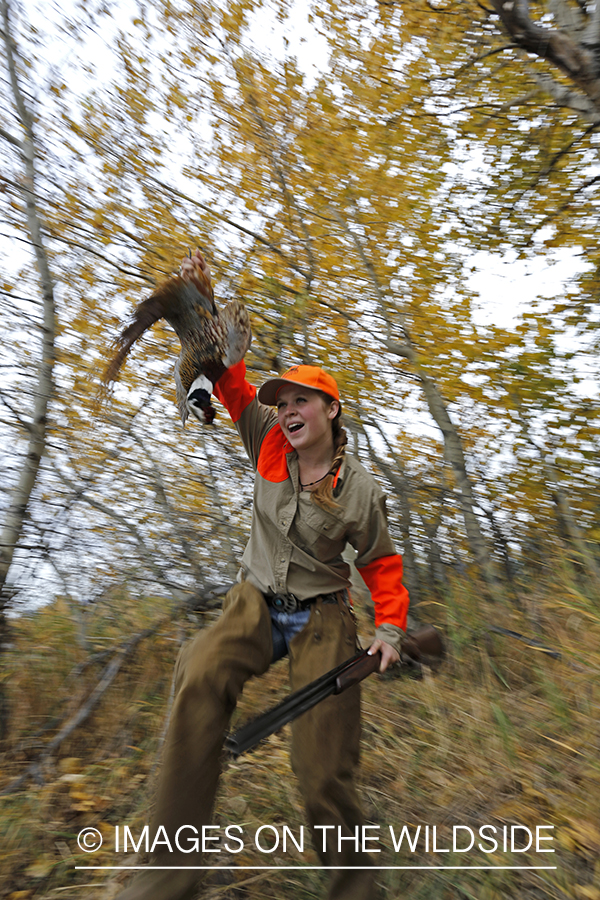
x: 360, y: 667
x: 424, y: 645
x: 421, y: 644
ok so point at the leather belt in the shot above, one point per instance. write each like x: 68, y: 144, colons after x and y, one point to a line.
x: 289, y: 603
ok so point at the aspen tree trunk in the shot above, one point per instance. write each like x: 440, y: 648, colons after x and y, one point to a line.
x: 438, y: 409
x: 456, y: 458
x: 19, y: 503
x: 219, y: 511
x: 397, y: 478
x: 573, y: 532
x: 435, y: 565
x: 564, y: 514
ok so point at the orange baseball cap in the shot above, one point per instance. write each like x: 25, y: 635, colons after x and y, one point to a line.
x: 306, y: 376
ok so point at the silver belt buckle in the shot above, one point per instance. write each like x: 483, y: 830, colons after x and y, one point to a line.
x: 286, y: 603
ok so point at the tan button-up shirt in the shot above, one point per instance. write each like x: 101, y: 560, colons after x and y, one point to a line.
x: 295, y: 545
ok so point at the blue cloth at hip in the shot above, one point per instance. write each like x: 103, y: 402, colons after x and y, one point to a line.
x: 285, y: 626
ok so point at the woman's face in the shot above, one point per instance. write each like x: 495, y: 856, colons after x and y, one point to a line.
x: 305, y: 417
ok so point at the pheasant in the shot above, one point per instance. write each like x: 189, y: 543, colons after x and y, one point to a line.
x: 211, y: 341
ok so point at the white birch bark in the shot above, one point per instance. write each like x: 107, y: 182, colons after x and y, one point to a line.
x: 16, y: 514
x: 17, y: 511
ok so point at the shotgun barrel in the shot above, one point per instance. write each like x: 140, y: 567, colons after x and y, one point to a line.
x: 333, y: 682
x: 425, y: 643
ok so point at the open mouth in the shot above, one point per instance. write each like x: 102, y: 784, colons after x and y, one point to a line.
x: 295, y: 427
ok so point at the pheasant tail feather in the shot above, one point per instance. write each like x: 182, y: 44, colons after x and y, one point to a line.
x: 146, y: 314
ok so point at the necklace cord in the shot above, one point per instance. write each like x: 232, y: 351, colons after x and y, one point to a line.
x: 310, y: 483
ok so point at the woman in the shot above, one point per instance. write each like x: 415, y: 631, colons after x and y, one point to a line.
x: 310, y: 499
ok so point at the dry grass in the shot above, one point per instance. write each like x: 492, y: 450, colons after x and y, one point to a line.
x: 503, y: 735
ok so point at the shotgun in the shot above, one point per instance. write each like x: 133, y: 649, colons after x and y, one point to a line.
x: 423, y: 645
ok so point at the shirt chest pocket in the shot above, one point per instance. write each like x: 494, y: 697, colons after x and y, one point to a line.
x: 322, y: 534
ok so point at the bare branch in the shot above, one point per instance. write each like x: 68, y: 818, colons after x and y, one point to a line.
x: 161, y: 492
x: 229, y: 221
x: 11, y: 140
x: 109, y: 674
x: 589, y: 182
x: 147, y: 554
x: 26, y: 426
x: 269, y: 140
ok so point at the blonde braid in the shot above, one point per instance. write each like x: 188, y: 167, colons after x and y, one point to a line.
x: 323, y: 494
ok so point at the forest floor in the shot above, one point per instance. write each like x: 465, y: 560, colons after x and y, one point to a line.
x: 503, y: 735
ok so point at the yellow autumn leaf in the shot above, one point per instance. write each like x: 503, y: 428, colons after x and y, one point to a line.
x: 40, y: 868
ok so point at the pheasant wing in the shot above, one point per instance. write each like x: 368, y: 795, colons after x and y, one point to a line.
x: 185, y: 304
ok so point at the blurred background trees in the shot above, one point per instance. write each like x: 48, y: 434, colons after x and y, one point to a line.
x: 353, y: 172
x: 348, y: 202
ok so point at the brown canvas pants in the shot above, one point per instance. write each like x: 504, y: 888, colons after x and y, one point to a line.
x: 210, y: 674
